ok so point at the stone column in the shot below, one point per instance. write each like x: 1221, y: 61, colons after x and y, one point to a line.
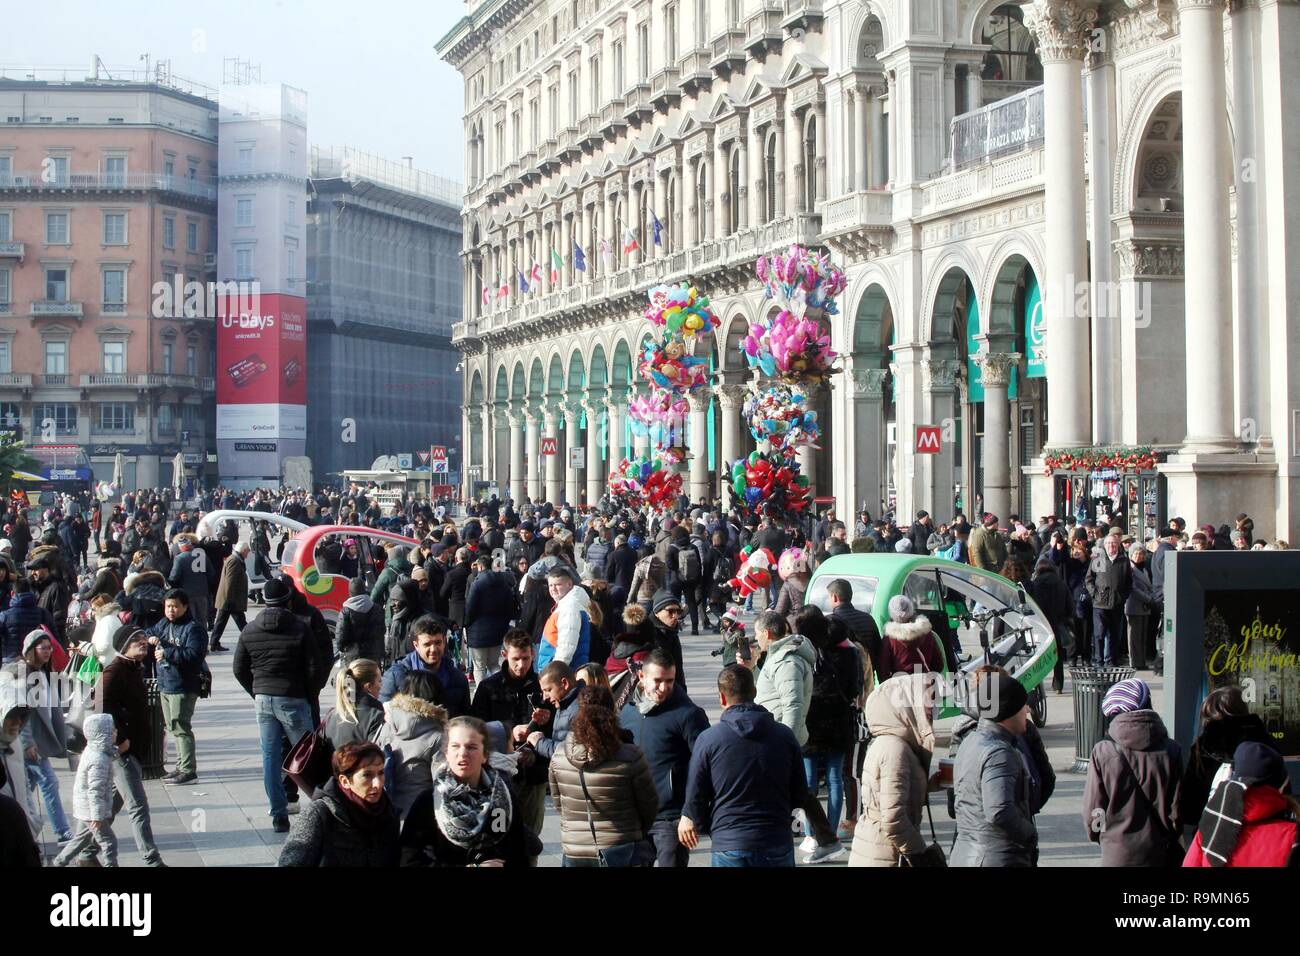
x: 1206, y: 173
x: 879, y: 142
x: 794, y: 162
x: 614, y: 429
x: 636, y: 217
x: 607, y: 232
x: 595, y: 470
x: 861, y: 151
x: 566, y: 251
x: 472, y: 461
x: 518, y: 479
x: 720, y: 187
x: 867, y: 476
x: 755, y: 176
x: 973, y: 92
x: 731, y: 398
x: 782, y: 176
x: 996, y: 369
x: 1062, y: 29
x: 551, y: 429
x: 533, y: 423
x: 746, y: 185
x: 572, y: 439
x: 699, y: 444
x: 819, y: 162
x: 939, y: 380
x: 656, y: 205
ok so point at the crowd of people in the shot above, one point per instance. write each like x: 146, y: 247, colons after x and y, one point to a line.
x: 521, y: 654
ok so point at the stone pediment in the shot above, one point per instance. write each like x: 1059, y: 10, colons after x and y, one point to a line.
x: 759, y: 87
x: 802, y: 66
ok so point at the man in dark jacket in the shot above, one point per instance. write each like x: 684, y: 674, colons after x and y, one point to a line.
x: 232, y: 595
x: 1138, y: 607
x: 861, y: 626
x: 396, y: 567
x: 920, y: 532
x: 620, y: 565
x: 456, y: 585
x: 189, y: 572
x: 141, y: 537
x: 22, y: 617
x: 180, y: 647
x: 277, y: 664
x: 665, y: 724
x: 51, y: 592
x: 560, y: 690
x: 513, y: 696
x: 359, y: 631
x: 430, y: 654
x: 1108, y: 582
x: 490, y: 605
x: 1167, y: 542
x: 1049, y: 592
x: 746, y: 777
x: 122, y: 694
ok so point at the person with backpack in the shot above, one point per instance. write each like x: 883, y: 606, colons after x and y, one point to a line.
x: 724, y: 569
x: 686, y: 572
x: 359, y: 631
x: 1130, y: 802
x: 837, y: 682
x: 708, y: 558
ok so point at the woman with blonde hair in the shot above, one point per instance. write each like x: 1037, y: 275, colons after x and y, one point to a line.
x: 358, y: 715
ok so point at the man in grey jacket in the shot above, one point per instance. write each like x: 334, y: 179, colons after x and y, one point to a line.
x: 1108, y: 582
x: 995, y: 826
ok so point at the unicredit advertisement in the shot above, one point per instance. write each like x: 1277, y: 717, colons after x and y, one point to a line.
x: 261, y: 384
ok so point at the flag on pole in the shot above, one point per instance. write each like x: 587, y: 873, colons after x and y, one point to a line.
x: 523, y: 283
x: 579, y: 258
x: 659, y: 229
x: 535, y: 277
x: 629, y: 241
x: 556, y: 265
x: 503, y: 289
x: 605, y: 249
x: 487, y: 294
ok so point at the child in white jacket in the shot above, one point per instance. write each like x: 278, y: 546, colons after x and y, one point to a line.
x: 92, y: 793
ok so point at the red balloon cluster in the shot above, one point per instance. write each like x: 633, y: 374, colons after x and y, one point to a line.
x: 642, y: 481
x: 773, y: 482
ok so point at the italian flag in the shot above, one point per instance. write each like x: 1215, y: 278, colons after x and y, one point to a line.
x: 556, y: 265
x: 629, y: 241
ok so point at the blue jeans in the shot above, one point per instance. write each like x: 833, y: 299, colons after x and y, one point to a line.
x: 622, y: 855
x: 41, y: 774
x: 277, y: 716
x: 833, y: 766
x: 754, y: 858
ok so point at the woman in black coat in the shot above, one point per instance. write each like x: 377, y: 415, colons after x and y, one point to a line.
x: 352, y: 821
x: 536, y: 606
x: 1053, y: 598
x: 1225, y: 723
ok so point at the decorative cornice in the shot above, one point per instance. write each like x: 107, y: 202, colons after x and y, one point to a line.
x: 1151, y: 22
x: 1062, y: 28
x: 995, y: 367
x: 1149, y: 259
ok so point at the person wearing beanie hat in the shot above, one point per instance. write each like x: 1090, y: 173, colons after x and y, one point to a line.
x: 276, y: 662
x: 995, y: 824
x: 123, y: 695
x: 909, y: 642
x: 1131, y: 799
x: 986, y: 547
x: 1251, y: 817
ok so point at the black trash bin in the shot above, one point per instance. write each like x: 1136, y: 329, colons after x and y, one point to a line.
x: 151, y: 763
x: 1090, y: 686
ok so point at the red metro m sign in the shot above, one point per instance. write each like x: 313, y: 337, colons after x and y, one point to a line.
x: 929, y: 439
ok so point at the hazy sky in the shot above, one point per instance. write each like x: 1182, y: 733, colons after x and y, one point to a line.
x: 372, y: 77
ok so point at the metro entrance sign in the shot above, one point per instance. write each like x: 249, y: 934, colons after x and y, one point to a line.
x: 438, y: 456
x: 929, y: 439
x: 550, y: 446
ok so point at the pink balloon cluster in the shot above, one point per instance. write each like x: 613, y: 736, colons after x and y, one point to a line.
x: 789, y: 347
x: 803, y: 273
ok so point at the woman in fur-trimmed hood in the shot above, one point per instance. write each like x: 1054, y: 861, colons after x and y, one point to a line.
x: 417, y: 724
x: 908, y: 641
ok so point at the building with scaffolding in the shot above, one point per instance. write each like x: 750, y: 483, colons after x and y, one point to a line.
x: 383, y: 289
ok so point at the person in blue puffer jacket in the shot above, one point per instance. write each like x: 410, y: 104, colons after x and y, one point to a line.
x: 180, y: 648
x: 22, y: 617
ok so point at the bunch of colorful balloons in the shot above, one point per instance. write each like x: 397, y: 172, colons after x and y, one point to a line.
x: 755, y: 571
x: 646, y: 481
x: 803, y: 276
x: 668, y: 365
x: 660, y: 416
x: 681, y: 310
x: 777, y: 415
x: 790, y: 346
x: 771, y: 480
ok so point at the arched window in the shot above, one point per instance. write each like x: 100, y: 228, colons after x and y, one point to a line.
x: 769, y: 177
x: 1013, y: 64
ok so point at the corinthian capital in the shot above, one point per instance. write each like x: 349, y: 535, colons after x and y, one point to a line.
x: 731, y: 397
x: 939, y: 374
x: 995, y: 367
x: 1062, y: 28
x: 868, y: 382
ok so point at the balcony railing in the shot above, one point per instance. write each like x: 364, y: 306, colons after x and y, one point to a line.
x: 1006, y: 126
x: 55, y: 379
x: 611, y: 116
x: 663, y: 86
x: 638, y: 104
x: 12, y: 250
x: 110, y: 182
x: 1013, y: 173
x: 47, y: 307
x: 16, y: 380
x: 858, y: 210
x: 799, y: 13
x: 694, y: 70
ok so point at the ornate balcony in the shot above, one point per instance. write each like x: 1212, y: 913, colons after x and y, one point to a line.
x: 638, y: 106
x: 664, y: 91
x: 694, y: 71
x: 612, y: 118
x: 801, y: 14
x: 728, y: 53
x: 44, y: 307
x: 16, y: 380
x: 39, y: 181
x: 570, y: 146
x: 12, y: 250
x: 763, y: 29
x: 589, y: 135
x: 858, y: 224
